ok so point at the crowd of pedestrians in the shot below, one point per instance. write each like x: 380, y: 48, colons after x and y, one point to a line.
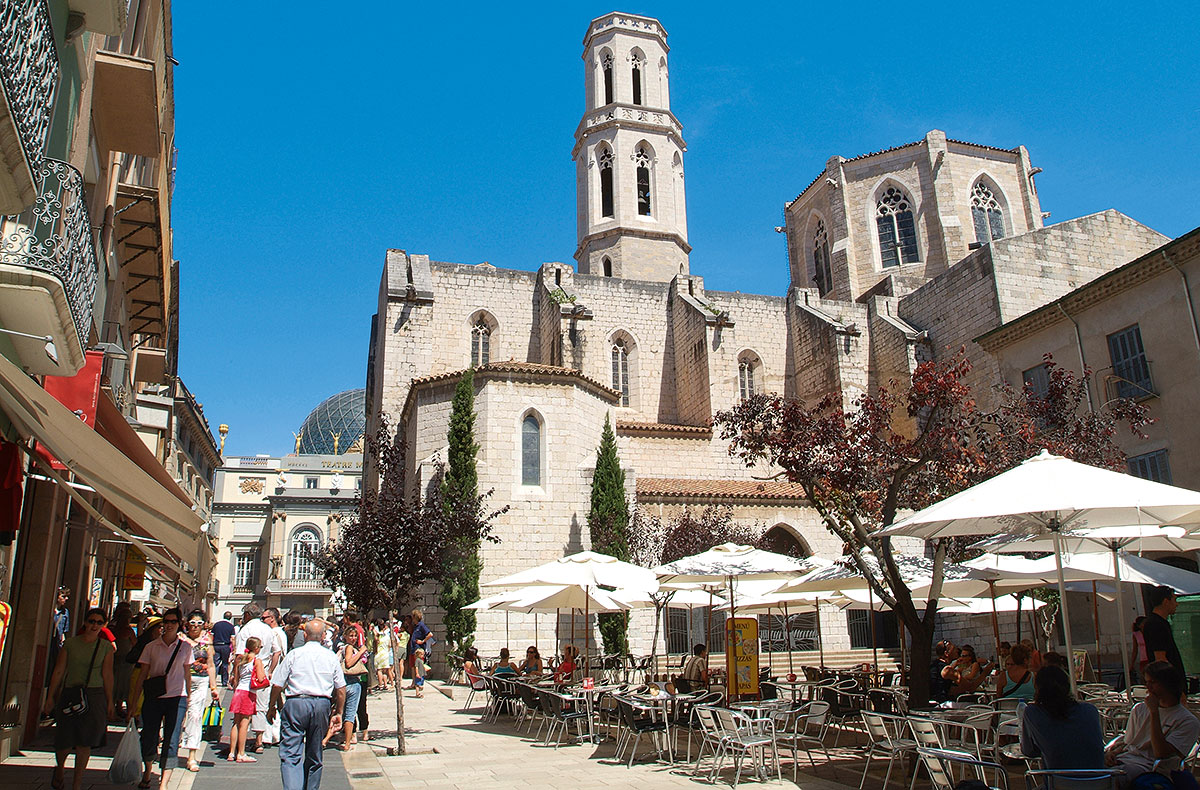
x: 297, y: 682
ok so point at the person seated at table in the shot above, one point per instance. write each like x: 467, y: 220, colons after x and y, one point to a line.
x: 1035, y: 656
x: 1054, y: 660
x: 942, y: 674
x: 532, y: 665
x: 695, y: 671
x: 1002, y: 653
x: 1056, y: 727
x: 505, y: 666
x: 968, y: 673
x: 1160, y: 727
x: 471, y: 666
x: 1017, y: 680
x: 565, y: 672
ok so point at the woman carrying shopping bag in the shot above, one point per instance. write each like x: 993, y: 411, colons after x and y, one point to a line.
x: 203, y: 669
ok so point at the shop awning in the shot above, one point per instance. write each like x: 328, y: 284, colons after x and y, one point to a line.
x: 122, y: 483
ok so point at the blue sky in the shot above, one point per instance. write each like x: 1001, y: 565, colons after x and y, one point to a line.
x: 313, y: 139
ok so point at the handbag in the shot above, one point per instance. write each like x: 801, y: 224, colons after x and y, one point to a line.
x: 73, y: 701
x: 214, y: 716
x: 156, y: 685
x: 256, y: 683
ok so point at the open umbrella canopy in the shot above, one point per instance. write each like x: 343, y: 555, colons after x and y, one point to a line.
x: 544, y: 598
x: 844, y: 574
x: 682, y: 598
x: 1135, y: 538
x: 585, y: 569
x: 1002, y: 603
x: 777, y: 601
x: 730, y: 560
x: 1132, y: 568
x: 496, y: 601
x: 1052, y: 493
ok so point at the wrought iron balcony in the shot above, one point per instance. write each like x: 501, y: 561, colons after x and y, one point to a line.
x: 29, y: 74
x: 47, y: 251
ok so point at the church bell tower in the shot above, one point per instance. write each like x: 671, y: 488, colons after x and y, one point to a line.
x: 632, y: 218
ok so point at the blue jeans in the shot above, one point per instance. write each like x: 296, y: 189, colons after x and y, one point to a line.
x: 304, y: 722
x: 222, y: 656
x: 353, y: 692
x: 168, y: 714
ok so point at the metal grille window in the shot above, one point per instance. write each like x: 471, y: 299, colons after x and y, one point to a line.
x: 606, y: 182
x: 1151, y: 466
x: 642, y: 157
x: 746, y: 372
x: 1130, y: 367
x: 887, y: 635
x: 243, y: 574
x: 305, y: 541
x: 897, y: 230
x: 798, y: 632
x: 822, y: 271
x: 620, y: 370
x: 1037, y: 378
x: 531, y: 451
x: 986, y: 214
x: 481, y: 341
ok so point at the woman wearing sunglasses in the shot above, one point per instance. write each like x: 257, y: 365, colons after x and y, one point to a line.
x: 81, y: 697
x: 166, y: 684
x: 203, y: 668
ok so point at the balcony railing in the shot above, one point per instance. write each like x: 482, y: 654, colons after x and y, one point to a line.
x: 54, y: 235
x: 29, y: 72
x: 297, y: 585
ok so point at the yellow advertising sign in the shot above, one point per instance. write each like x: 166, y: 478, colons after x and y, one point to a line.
x: 134, y: 577
x: 741, y: 656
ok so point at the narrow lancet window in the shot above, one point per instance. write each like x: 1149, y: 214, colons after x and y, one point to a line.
x: 642, y: 157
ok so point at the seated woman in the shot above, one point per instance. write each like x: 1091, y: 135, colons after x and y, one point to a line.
x: 970, y: 675
x: 565, y: 672
x: 1064, y: 732
x: 1017, y: 680
x: 505, y: 667
x: 532, y: 665
x: 471, y: 667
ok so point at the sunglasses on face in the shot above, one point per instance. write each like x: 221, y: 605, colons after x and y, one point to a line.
x: 196, y: 623
x: 96, y: 622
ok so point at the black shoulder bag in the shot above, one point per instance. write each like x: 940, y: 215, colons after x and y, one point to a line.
x: 73, y: 700
x: 156, y: 685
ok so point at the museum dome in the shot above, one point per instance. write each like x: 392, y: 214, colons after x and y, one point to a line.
x: 344, y: 414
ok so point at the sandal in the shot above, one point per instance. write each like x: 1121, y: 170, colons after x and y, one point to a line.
x: 257, y: 750
x: 246, y: 760
x: 193, y: 766
x: 144, y: 784
x: 58, y: 779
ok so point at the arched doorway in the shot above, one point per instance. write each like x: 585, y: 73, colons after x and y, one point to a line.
x: 781, y: 539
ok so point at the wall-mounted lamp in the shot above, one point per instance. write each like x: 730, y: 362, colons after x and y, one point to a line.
x: 51, y: 349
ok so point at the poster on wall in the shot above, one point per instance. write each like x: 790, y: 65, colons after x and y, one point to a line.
x: 134, y: 577
x: 741, y: 655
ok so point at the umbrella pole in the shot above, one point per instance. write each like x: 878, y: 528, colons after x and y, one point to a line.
x: 506, y: 628
x: 1066, y: 615
x: 1121, y: 620
x: 995, y: 621
x: 787, y: 638
x: 1096, y: 621
x: 535, y: 635
x: 874, y: 642
x: 820, y: 640
x: 587, y: 627
x: 557, y: 631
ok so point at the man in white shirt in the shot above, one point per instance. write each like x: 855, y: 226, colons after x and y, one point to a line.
x: 270, y: 655
x: 309, y: 688
x: 1160, y: 728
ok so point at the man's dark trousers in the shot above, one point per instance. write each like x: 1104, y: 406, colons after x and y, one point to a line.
x: 223, y: 663
x: 304, y: 724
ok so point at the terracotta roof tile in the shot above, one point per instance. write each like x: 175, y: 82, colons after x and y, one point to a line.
x: 625, y: 427
x: 527, y: 368
x: 680, y: 488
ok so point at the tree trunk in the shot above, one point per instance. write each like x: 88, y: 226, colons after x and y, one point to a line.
x: 396, y: 657
x: 920, y: 654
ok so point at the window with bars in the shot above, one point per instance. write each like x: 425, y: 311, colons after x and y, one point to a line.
x: 822, y: 270
x: 1130, y: 366
x: 747, y: 370
x: 686, y: 629
x: 243, y: 573
x: 642, y: 157
x: 481, y: 341
x: 797, y: 632
x: 897, y: 229
x: 1151, y: 466
x: 531, y: 451
x: 886, y: 632
x: 605, y: 160
x: 986, y: 214
x: 620, y: 370
x: 305, y: 541
x: 1038, y: 380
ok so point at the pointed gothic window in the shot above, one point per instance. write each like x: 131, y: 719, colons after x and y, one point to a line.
x: 747, y: 373
x: 531, y: 451
x: 822, y: 272
x: 620, y: 370
x: 481, y: 336
x: 638, y: 69
x: 642, y: 157
x: 986, y: 214
x: 606, y: 182
x: 606, y: 63
x: 607, y: 267
x: 897, y: 230
x: 305, y: 542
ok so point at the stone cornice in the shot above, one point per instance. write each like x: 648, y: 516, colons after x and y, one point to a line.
x: 625, y: 230
x: 632, y: 116
x: 629, y: 23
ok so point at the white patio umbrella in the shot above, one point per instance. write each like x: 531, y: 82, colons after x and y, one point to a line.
x: 1003, y: 603
x: 495, y: 602
x: 551, y: 598
x: 680, y: 598
x: 1049, y: 494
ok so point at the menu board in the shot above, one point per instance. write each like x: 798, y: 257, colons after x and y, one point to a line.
x: 741, y: 656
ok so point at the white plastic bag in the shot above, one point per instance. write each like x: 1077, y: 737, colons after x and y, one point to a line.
x: 126, y: 765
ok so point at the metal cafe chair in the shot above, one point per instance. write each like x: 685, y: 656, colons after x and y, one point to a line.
x: 940, y: 763
x: 1078, y: 779
x: 883, y: 732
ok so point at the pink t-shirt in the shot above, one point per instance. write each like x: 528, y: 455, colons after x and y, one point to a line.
x: 157, y: 654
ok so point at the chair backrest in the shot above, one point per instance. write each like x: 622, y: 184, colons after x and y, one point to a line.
x: 768, y: 690
x: 1099, y: 779
x: 875, y: 726
x: 477, y: 682
x: 708, y: 721
x: 815, y: 714
x: 940, y: 775
x: 1008, y: 703
x: 925, y: 732
x: 528, y: 696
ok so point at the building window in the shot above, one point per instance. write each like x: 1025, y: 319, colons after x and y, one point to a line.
x: 305, y: 543
x: 747, y: 371
x: 606, y: 182
x: 1037, y: 378
x: 620, y: 370
x: 642, y: 157
x: 1131, y: 370
x: 822, y: 272
x: 986, y: 214
x: 607, y: 264
x: 1151, y: 466
x: 310, y: 482
x: 243, y: 573
x: 481, y: 340
x: 531, y: 451
x: 637, y: 71
x: 897, y: 230
x: 606, y: 63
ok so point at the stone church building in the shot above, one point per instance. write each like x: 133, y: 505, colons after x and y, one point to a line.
x: 895, y: 256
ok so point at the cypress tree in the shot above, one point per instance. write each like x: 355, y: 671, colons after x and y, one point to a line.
x: 608, y: 525
x: 461, y: 565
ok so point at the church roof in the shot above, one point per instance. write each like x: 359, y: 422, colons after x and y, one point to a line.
x: 532, y: 370
x: 633, y: 427
x: 687, y: 488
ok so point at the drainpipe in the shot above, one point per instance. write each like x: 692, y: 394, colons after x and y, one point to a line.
x: 1187, y: 295
x: 1082, y: 360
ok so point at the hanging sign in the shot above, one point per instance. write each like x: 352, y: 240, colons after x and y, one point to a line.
x: 5, y: 616
x: 79, y: 393
x: 741, y: 655
x: 134, y: 577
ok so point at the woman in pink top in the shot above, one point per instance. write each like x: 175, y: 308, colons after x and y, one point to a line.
x: 164, y: 679
x: 1139, y: 645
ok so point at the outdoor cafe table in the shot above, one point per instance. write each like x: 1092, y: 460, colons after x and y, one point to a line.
x: 801, y: 689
